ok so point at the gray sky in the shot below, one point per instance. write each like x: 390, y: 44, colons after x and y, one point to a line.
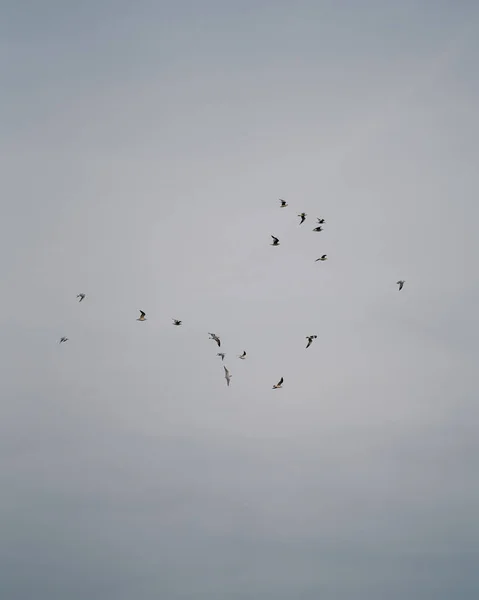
x: 144, y: 147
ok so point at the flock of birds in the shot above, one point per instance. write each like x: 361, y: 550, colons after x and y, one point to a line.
x: 215, y: 338
x: 302, y: 216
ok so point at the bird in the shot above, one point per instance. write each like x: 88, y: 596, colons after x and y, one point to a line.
x: 63, y: 339
x: 278, y: 385
x: 400, y: 283
x: 227, y: 376
x: 303, y: 217
x: 222, y: 355
x: 283, y: 203
x: 310, y: 339
x: 275, y: 241
x: 321, y: 221
x: 318, y: 228
x: 215, y: 338
x: 81, y: 296
x: 142, y: 316
x: 243, y: 356
x: 176, y: 322
x: 324, y: 257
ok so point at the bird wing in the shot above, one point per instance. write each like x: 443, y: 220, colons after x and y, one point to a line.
x: 280, y: 381
x: 142, y: 314
x: 309, y: 343
x: 275, y: 238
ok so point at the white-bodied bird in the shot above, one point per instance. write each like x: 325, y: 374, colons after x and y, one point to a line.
x: 227, y: 376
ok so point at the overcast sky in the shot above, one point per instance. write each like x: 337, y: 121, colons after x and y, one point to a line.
x: 144, y: 146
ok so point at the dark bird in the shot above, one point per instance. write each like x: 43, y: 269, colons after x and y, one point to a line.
x: 321, y: 221
x: 215, y: 338
x: 227, y: 376
x: 318, y: 228
x: 63, y: 339
x: 400, y: 283
x: 283, y: 203
x: 142, y: 316
x: 324, y: 257
x: 222, y: 355
x: 176, y: 322
x: 275, y: 241
x: 310, y: 339
x: 81, y: 296
x: 302, y: 217
x: 278, y: 385
x: 243, y: 356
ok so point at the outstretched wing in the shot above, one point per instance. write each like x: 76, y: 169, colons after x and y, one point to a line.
x: 280, y: 382
x: 142, y: 314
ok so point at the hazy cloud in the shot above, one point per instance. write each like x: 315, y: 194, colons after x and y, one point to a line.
x: 145, y: 147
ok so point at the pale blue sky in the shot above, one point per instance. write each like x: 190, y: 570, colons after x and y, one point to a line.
x: 144, y: 148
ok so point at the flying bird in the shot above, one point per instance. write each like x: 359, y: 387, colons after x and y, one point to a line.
x: 283, y: 203
x: 81, y: 296
x: 400, y: 283
x: 227, y: 376
x: 310, y: 339
x: 275, y: 241
x: 302, y: 217
x: 222, y: 354
x: 63, y: 339
x: 243, y: 356
x: 278, y: 385
x: 324, y: 257
x: 215, y: 338
x: 142, y: 316
x: 318, y: 228
x: 176, y: 322
x: 321, y: 221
